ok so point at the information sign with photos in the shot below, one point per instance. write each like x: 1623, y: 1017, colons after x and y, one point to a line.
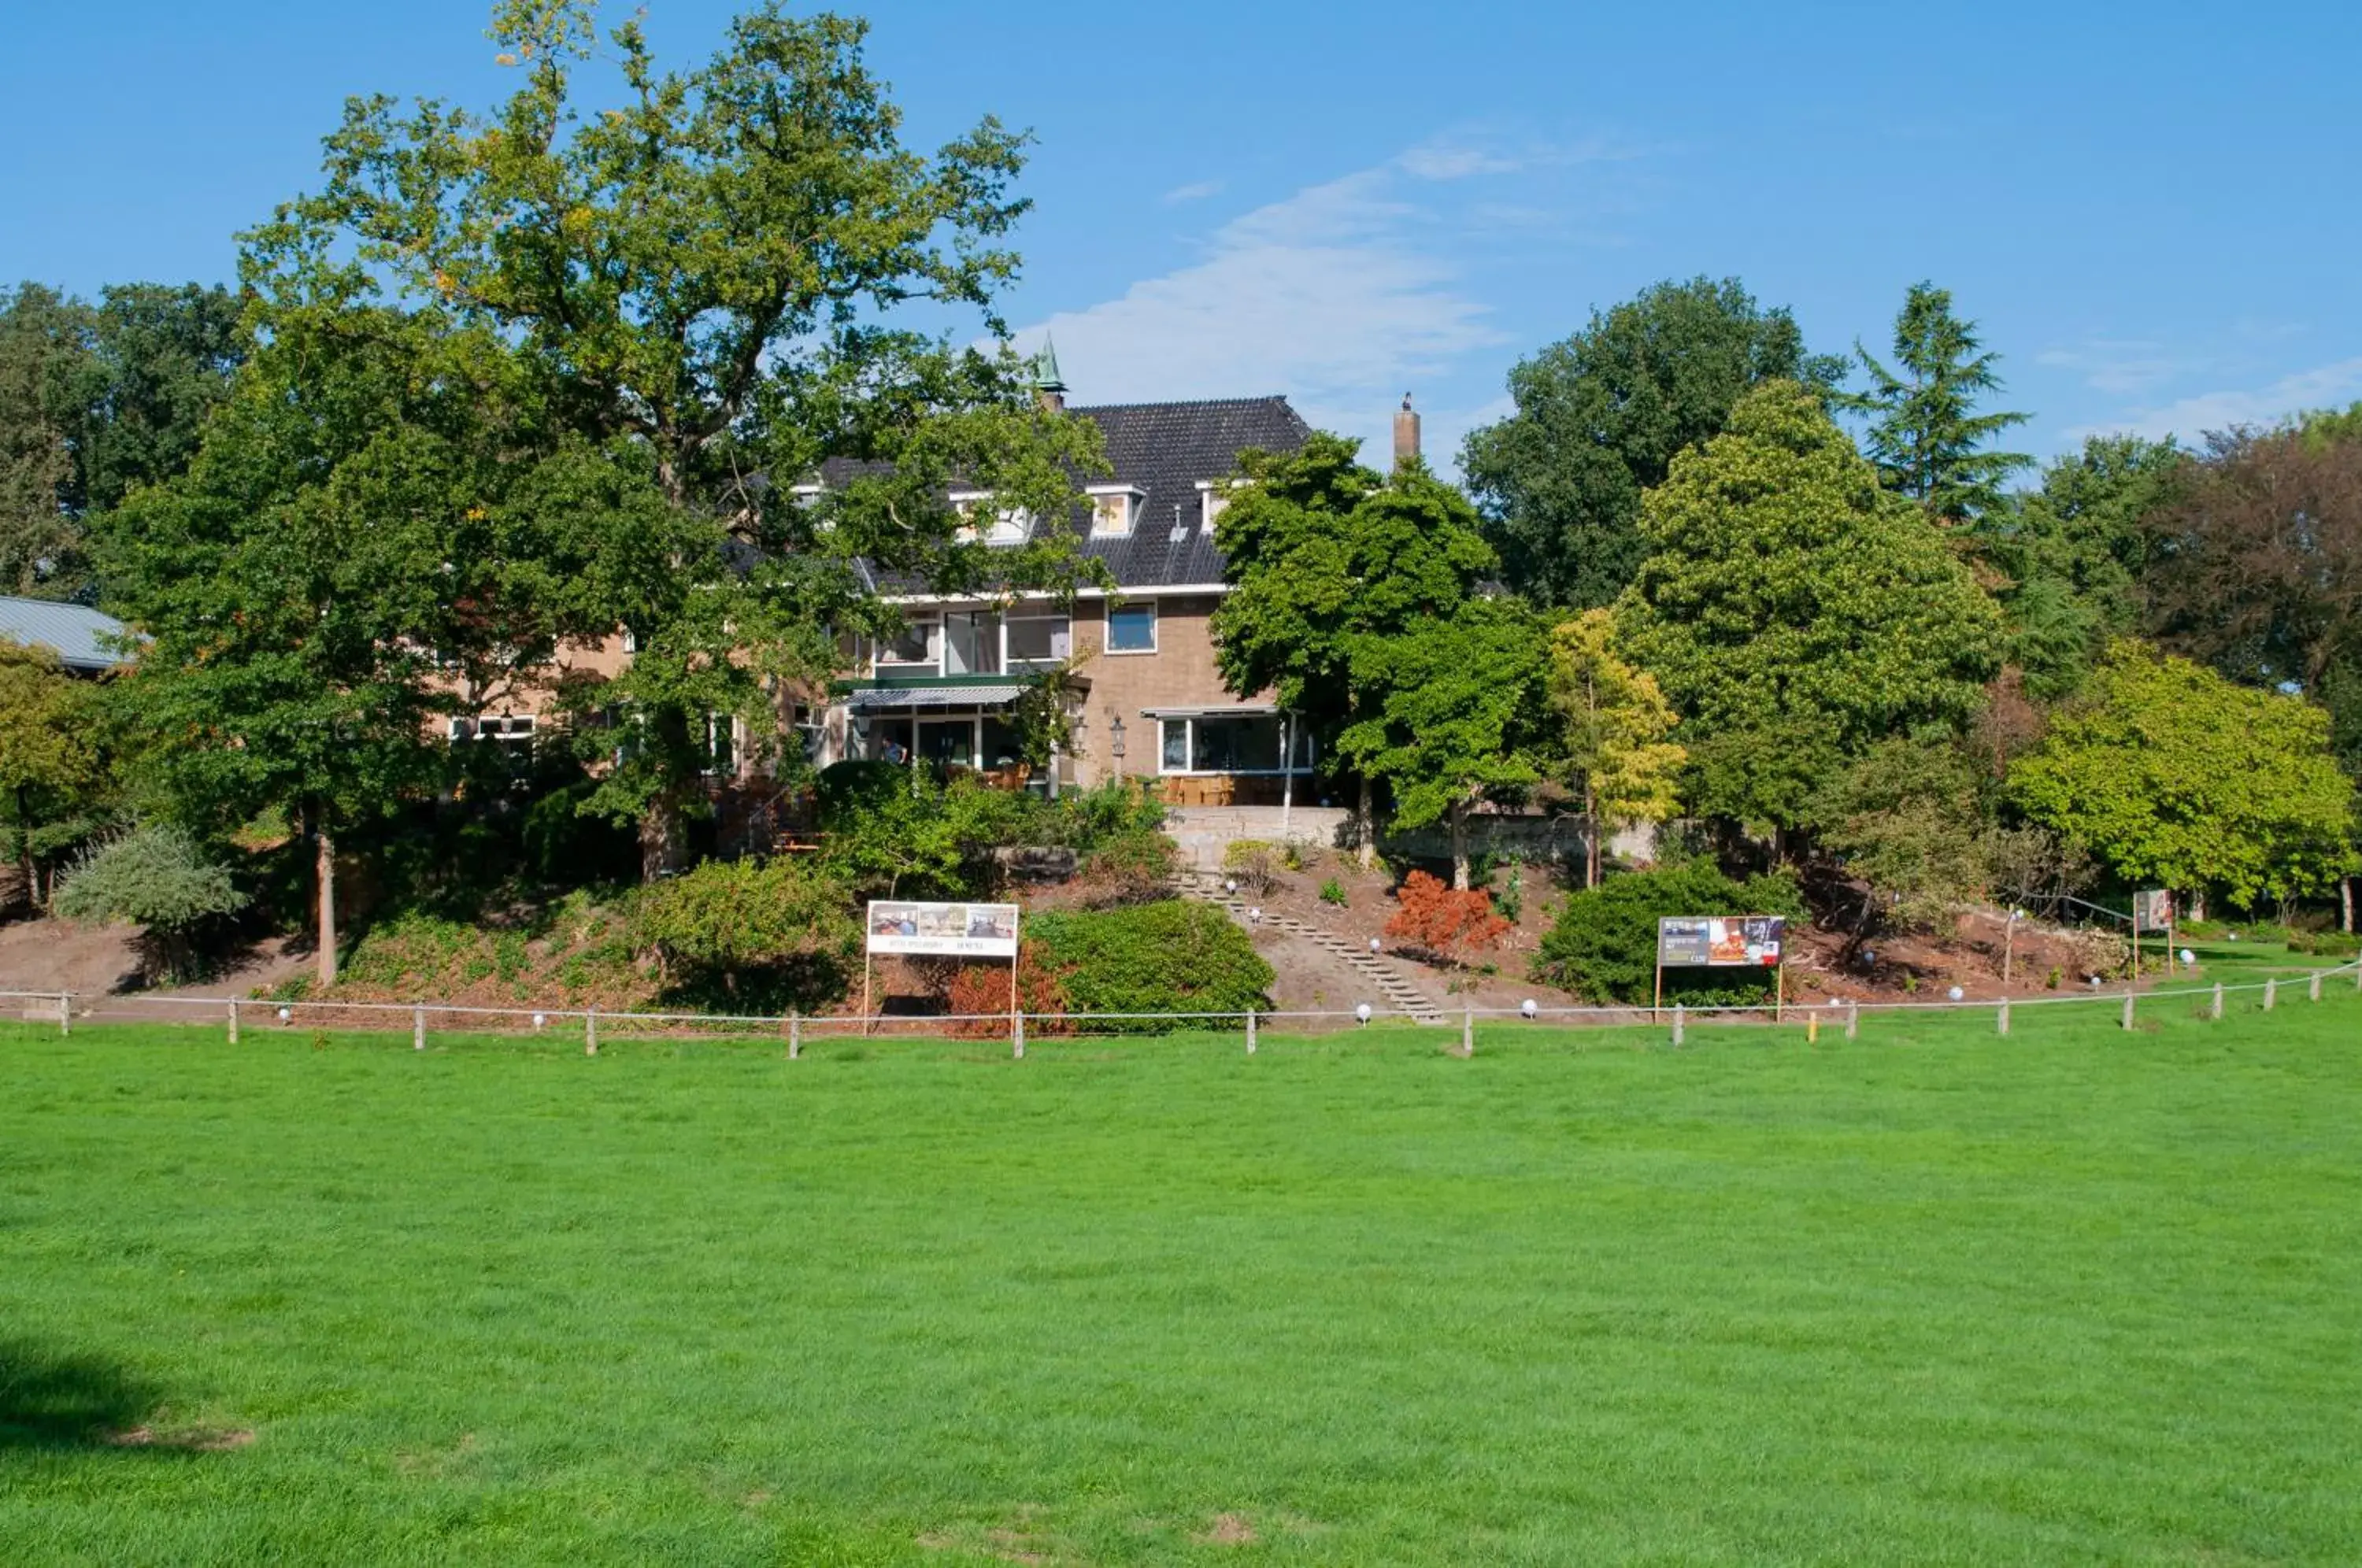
x: 1721, y: 942
x: 2152, y: 910
x: 943, y: 931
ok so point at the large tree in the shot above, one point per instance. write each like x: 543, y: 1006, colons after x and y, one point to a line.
x: 1450, y: 710
x: 2173, y: 774
x: 94, y: 401
x: 1321, y: 551
x: 1795, y: 612
x: 1925, y: 434
x: 53, y: 790
x: 713, y: 278
x: 1599, y: 417
x: 1614, y: 721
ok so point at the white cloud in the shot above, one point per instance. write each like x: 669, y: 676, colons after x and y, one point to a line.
x: 1196, y: 191
x: 1337, y: 296
x: 2120, y: 366
x: 2321, y: 386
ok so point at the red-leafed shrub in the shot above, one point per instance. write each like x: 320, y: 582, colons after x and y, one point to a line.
x: 1443, y: 923
x: 978, y: 994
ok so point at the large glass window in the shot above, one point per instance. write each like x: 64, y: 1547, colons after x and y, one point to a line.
x: 1131, y: 628
x: 971, y: 644
x: 950, y: 742
x: 1229, y: 742
x: 1037, y: 642
x: 916, y: 645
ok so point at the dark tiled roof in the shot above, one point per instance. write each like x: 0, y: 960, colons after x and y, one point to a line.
x: 1166, y: 450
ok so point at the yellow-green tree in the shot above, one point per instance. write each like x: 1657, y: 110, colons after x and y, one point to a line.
x: 51, y: 771
x: 1615, y: 752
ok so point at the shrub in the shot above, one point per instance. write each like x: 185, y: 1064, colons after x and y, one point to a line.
x: 160, y: 878
x: 1448, y: 924
x: 1256, y: 863
x: 978, y: 991
x: 1134, y: 868
x: 791, y: 929
x: 1169, y: 956
x: 1604, y: 943
x: 1333, y: 892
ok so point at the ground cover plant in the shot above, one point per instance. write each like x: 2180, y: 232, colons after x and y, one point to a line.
x: 1931, y: 1296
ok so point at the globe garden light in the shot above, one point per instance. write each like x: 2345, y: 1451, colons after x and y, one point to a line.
x: 1374, y: 946
x: 1361, y: 1012
x: 540, y: 1020
x: 286, y: 1013
x: 1256, y: 914
x: 2188, y: 958
x: 1529, y: 1008
x: 1230, y: 884
x: 1955, y: 993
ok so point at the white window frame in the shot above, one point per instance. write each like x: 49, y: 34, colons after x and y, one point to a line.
x: 1009, y: 664
x: 1133, y: 497
x: 1011, y: 524
x: 509, y: 729
x: 1212, y: 496
x: 1289, y: 734
x: 1106, y: 625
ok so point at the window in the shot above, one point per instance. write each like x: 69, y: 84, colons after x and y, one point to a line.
x: 721, y: 746
x: 1212, y: 496
x: 516, y: 730
x: 916, y: 643
x: 1008, y: 526
x: 1036, y: 642
x: 1131, y: 628
x: 972, y: 645
x: 1230, y: 742
x: 1114, y: 509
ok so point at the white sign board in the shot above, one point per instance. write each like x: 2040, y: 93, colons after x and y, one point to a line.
x: 947, y: 930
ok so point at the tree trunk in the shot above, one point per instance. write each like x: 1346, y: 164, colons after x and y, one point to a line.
x: 2345, y: 905
x: 1459, y: 820
x: 2197, y: 903
x: 1369, y: 848
x: 327, y: 878
x: 24, y: 845
x: 661, y: 837
x: 1590, y: 837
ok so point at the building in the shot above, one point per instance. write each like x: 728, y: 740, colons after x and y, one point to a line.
x: 1148, y: 698
x: 82, y: 638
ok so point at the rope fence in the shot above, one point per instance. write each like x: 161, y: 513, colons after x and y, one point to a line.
x: 232, y: 1014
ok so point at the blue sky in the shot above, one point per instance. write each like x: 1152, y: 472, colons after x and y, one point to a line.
x: 2150, y: 210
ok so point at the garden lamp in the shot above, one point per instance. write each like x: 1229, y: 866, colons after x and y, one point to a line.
x: 1361, y: 1012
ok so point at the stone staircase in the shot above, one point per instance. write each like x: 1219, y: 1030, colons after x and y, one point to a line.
x: 1392, y: 988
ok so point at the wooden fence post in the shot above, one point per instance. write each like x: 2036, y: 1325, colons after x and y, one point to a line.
x: 1680, y: 1015
x: 2001, y: 1019
x: 418, y: 1029
x: 2271, y: 993
x: 591, y: 1032
x: 65, y: 1012
x: 2313, y: 990
x: 1468, y: 1032
x: 795, y: 1037
x: 1017, y: 1035
x: 2216, y: 1010
x: 1853, y: 1019
x: 1251, y: 1031
x: 233, y: 1021
x: 2128, y: 1009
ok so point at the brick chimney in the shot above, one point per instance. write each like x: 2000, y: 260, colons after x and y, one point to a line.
x: 1405, y: 433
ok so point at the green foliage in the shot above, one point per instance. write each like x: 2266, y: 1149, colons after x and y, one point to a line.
x: 729, y: 918
x: 1925, y: 437
x: 1907, y: 818
x: 714, y: 276
x: 158, y: 877
x: 2070, y: 555
x: 1602, y: 945
x: 1599, y: 418
x: 1795, y: 613
x: 1324, y: 554
x: 1612, y: 748
x: 1333, y: 892
x: 94, y: 401
x: 2173, y: 774
x: 1256, y: 863
x: 1168, y: 956
x: 889, y: 832
x: 1456, y: 701
x: 55, y: 790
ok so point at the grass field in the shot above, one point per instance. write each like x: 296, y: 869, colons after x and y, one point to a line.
x: 2073, y: 1296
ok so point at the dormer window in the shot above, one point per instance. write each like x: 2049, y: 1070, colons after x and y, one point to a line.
x: 1115, y: 508
x: 1212, y: 496
x: 1009, y: 524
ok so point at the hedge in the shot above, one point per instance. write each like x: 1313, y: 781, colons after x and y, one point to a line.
x: 1163, y: 957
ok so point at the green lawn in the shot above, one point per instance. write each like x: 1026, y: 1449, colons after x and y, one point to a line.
x: 2073, y: 1296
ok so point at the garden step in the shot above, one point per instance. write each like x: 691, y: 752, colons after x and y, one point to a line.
x: 1398, y: 991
